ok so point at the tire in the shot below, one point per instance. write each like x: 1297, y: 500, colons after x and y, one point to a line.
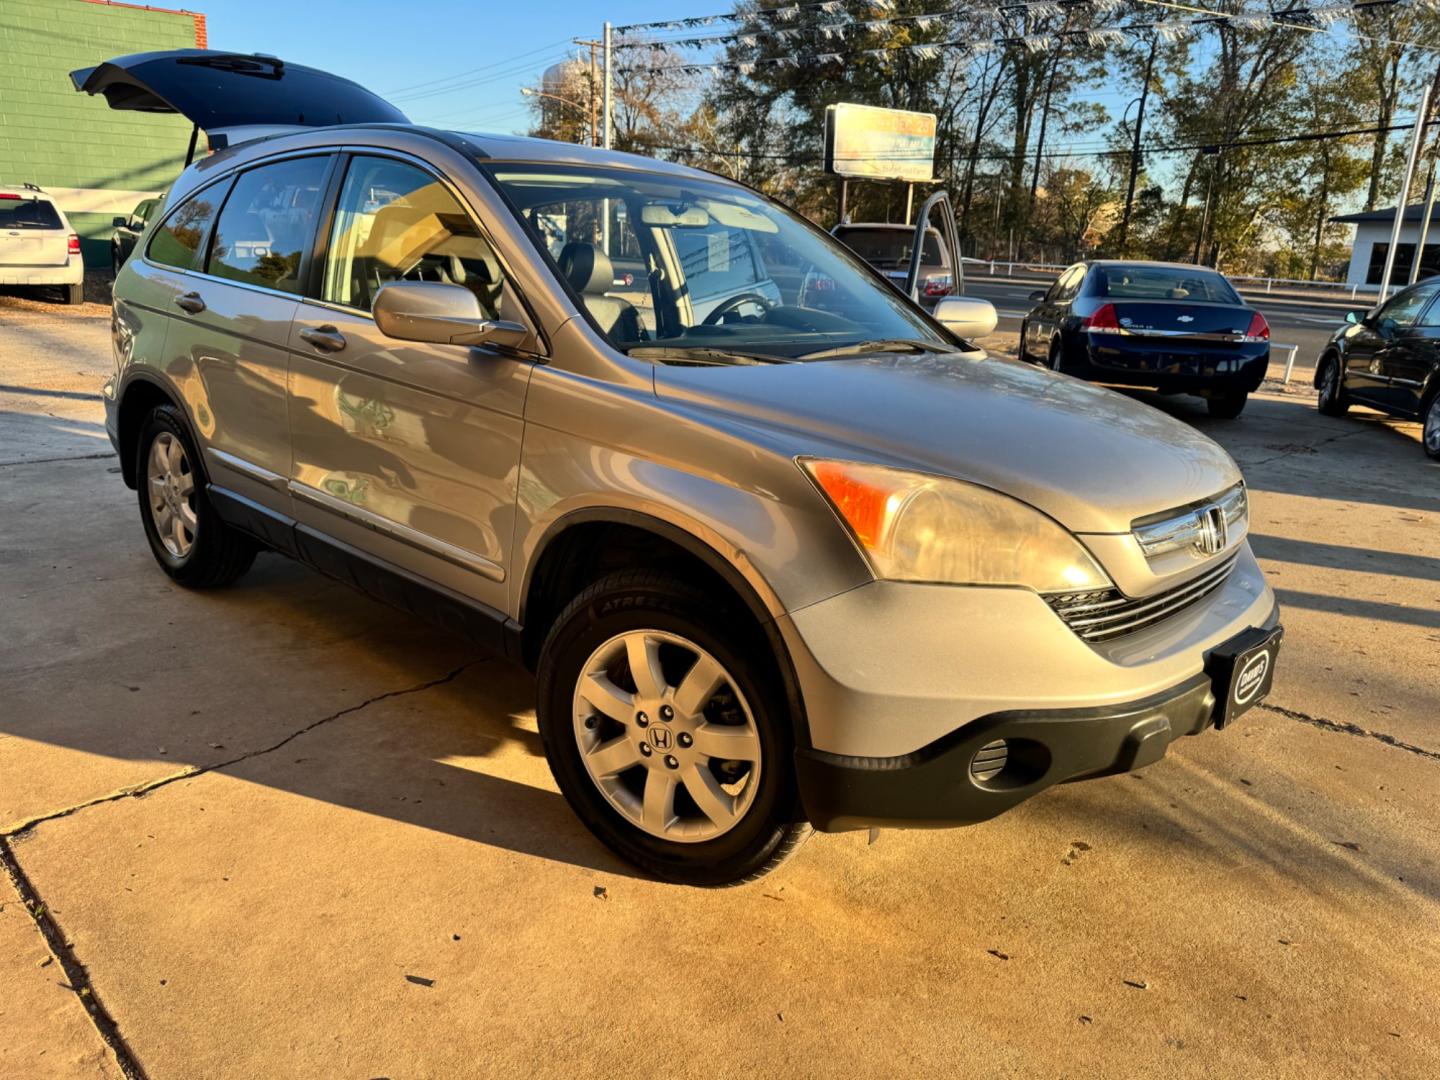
x: 75, y: 294
x: 1332, y: 399
x: 203, y: 552
x: 115, y: 261
x: 1020, y: 353
x: 1056, y: 360
x: 1430, y: 427
x: 1227, y: 406
x: 754, y: 823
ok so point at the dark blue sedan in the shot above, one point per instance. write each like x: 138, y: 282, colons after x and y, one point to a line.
x: 1171, y: 327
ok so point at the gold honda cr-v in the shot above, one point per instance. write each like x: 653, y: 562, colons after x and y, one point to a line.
x: 783, y: 548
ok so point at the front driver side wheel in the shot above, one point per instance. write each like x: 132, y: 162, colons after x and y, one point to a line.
x: 666, y: 730
x: 1332, y: 400
x: 1430, y: 433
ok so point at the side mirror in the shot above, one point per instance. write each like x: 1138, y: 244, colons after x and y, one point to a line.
x: 441, y: 314
x: 1354, y: 318
x: 1038, y: 294
x: 966, y: 316
x: 120, y: 222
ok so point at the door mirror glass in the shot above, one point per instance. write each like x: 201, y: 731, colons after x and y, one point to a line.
x: 120, y: 222
x: 1354, y: 318
x: 1037, y: 295
x: 440, y: 314
x: 966, y: 316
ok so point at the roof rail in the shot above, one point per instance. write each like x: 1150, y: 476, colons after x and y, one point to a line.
x: 32, y: 187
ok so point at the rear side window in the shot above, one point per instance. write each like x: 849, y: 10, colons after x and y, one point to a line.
x: 177, y: 241
x: 18, y: 213
x: 267, y: 224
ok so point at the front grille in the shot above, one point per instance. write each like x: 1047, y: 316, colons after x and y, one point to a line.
x: 1109, y: 613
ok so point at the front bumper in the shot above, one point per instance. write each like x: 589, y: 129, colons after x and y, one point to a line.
x: 1021, y: 753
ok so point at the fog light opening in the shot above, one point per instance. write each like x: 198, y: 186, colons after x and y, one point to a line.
x: 1004, y: 764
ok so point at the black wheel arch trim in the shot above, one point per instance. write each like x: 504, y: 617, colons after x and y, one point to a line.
x: 124, y: 440
x: 701, y: 550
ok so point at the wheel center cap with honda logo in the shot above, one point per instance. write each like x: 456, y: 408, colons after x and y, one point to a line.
x: 660, y: 738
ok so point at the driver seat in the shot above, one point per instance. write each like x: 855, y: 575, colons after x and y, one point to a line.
x: 589, y: 272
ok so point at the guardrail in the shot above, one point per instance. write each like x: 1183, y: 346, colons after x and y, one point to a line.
x: 1007, y: 268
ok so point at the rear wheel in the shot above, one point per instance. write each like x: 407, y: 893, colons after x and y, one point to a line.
x: 1021, y: 353
x: 1332, y: 400
x: 1227, y: 406
x: 1430, y: 433
x: 188, y: 538
x: 667, y: 732
x: 1056, y: 360
x: 75, y: 294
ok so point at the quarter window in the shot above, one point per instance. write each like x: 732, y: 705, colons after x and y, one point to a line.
x: 395, y: 222
x: 267, y: 224
x: 177, y: 241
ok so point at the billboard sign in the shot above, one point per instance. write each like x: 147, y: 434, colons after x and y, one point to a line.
x: 867, y: 143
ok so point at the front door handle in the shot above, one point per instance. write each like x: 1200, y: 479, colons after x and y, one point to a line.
x: 325, y: 338
x: 190, y: 302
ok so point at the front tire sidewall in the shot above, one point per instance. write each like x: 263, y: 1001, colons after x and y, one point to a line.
x: 635, y: 601
x: 1430, y: 427
x: 1332, y: 403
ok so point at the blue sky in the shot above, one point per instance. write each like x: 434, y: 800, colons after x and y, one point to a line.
x: 393, y: 48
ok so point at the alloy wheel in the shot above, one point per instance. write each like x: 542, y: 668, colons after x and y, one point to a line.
x: 1327, y: 383
x: 1432, y: 427
x: 667, y: 736
x: 171, y: 485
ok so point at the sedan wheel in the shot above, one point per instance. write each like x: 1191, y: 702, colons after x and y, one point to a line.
x: 1431, y: 434
x: 1057, y: 356
x: 682, y: 761
x: 1332, y: 401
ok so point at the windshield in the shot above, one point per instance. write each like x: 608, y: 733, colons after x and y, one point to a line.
x: 687, y: 269
x: 18, y: 213
x: 1162, y: 283
x: 890, y: 248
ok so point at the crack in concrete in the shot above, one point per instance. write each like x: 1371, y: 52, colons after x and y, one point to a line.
x: 1347, y: 728
x: 75, y: 972
x: 1306, y: 448
x: 140, y: 790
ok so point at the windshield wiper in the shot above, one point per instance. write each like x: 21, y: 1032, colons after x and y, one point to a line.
x: 877, y: 346
x: 701, y: 354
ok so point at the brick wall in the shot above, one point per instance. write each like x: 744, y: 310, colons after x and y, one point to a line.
x: 102, y: 161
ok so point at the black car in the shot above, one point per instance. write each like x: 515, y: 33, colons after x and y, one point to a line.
x: 128, y: 230
x: 1389, y: 359
x: 1171, y: 327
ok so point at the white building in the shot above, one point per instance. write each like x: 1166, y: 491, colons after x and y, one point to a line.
x: 1372, y: 241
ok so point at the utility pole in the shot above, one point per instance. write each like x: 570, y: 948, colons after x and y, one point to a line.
x: 609, y: 89
x: 1400, y: 203
x: 594, y: 80
x: 1424, y: 225
x: 1135, y: 149
x: 1213, y: 153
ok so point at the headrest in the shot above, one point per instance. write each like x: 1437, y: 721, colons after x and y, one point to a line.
x: 586, y: 267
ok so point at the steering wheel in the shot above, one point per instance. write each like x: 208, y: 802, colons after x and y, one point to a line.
x: 727, y: 306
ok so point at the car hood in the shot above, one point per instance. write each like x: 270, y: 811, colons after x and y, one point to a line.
x: 1092, y: 459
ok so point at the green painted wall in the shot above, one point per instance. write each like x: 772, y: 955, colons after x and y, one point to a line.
x: 57, y: 138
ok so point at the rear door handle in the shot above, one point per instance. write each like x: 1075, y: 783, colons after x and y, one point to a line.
x: 190, y: 302
x: 325, y: 338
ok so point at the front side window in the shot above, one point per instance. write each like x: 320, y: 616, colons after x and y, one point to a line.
x: 267, y: 224
x: 1403, y: 310
x: 177, y: 241
x: 395, y: 222
x: 697, y: 289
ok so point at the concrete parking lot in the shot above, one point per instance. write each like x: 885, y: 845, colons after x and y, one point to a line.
x: 281, y: 831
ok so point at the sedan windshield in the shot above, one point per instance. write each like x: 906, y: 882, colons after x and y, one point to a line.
x: 689, y: 270
x: 1162, y: 283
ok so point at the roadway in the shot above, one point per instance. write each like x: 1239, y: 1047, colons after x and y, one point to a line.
x: 1305, y: 323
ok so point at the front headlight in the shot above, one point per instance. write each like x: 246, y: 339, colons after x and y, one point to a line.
x: 914, y: 527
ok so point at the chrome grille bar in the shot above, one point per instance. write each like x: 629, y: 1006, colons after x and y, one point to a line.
x: 1120, y: 614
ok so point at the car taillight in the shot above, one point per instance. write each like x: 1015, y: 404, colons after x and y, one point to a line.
x: 1259, y: 328
x: 937, y: 285
x: 8, y: 195
x: 1104, y: 321
x: 74, y: 248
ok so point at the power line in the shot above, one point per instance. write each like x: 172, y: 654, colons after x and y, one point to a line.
x: 472, y: 71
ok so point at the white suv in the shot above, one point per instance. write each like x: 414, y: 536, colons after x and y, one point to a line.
x: 37, y: 245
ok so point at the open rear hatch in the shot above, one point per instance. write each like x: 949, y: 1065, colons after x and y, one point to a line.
x: 233, y: 97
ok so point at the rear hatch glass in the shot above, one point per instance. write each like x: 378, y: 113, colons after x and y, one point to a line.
x: 889, y: 249
x: 31, y: 232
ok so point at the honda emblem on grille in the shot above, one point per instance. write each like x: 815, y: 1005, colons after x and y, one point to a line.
x: 1212, y: 529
